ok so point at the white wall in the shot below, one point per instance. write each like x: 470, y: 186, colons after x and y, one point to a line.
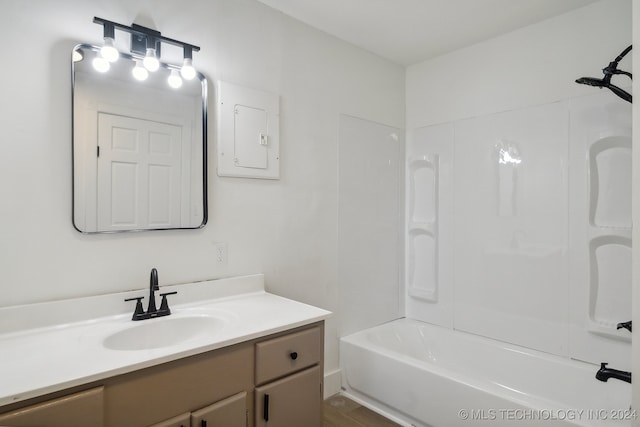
x: 518, y: 274
x: 286, y: 228
x: 636, y: 217
x: 529, y: 66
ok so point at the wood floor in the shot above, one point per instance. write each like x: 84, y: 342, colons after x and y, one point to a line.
x: 342, y: 412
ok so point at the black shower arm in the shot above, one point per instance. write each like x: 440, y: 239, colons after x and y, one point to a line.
x: 623, y: 54
x: 612, y: 68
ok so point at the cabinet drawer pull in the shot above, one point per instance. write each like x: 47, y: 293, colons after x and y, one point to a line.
x: 265, y: 410
x: 293, y: 355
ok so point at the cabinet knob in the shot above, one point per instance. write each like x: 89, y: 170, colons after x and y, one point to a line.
x: 293, y: 355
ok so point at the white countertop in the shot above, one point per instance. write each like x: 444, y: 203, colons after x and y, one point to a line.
x: 38, y: 359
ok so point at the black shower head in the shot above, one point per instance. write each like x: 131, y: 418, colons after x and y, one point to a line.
x: 592, y: 81
x: 609, y: 71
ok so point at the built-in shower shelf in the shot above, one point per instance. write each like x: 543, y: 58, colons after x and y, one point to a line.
x: 609, y: 231
x: 610, y: 282
x: 425, y: 227
x: 422, y: 227
x: 429, y: 295
x: 423, y: 188
x: 595, y: 232
x: 609, y: 172
x: 609, y: 330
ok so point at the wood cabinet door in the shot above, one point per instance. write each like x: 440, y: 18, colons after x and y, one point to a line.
x: 151, y: 395
x: 77, y: 410
x: 230, y: 412
x: 292, y: 401
x: 183, y: 420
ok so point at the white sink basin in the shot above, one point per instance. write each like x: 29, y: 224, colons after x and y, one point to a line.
x: 162, y: 332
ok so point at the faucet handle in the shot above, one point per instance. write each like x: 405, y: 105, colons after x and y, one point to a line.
x: 139, y: 310
x: 625, y: 325
x: 164, y: 305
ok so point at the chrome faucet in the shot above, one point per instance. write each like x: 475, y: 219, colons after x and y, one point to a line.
x: 152, y: 311
x: 605, y: 373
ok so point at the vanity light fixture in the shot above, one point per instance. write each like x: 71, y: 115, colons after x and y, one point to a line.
x: 150, y: 60
x: 108, y: 50
x: 139, y: 72
x: 187, y: 71
x: 146, y: 46
x: 100, y: 64
x: 174, y: 79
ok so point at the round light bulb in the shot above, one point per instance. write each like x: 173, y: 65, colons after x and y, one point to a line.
x: 100, y: 64
x: 109, y: 51
x: 187, y: 71
x: 139, y: 72
x: 174, y: 79
x: 150, y: 61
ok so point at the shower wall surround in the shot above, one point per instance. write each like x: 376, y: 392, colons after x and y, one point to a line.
x: 369, y: 222
x: 518, y: 189
x: 600, y: 260
x: 510, y: 226
x: 538, y: 243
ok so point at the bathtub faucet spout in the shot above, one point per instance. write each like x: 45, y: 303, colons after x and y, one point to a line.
x: 605, y: 373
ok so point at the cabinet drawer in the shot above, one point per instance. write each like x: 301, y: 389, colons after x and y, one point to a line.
x: 283, y: 355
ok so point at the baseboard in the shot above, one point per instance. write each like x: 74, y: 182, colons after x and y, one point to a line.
x: 378, y: 409
x: 332, y: 383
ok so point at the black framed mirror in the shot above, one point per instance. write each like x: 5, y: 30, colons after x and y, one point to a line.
x: 139, y: 147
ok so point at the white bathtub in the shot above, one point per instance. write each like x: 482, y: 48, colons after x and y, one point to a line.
x: 426, y: 375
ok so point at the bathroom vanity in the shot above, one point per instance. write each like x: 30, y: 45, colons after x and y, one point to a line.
x: 261, y: 365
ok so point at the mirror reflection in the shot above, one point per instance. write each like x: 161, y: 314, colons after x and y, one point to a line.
x: 139, y: 146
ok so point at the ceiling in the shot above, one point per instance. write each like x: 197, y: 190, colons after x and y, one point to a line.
x: 410, y: 31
